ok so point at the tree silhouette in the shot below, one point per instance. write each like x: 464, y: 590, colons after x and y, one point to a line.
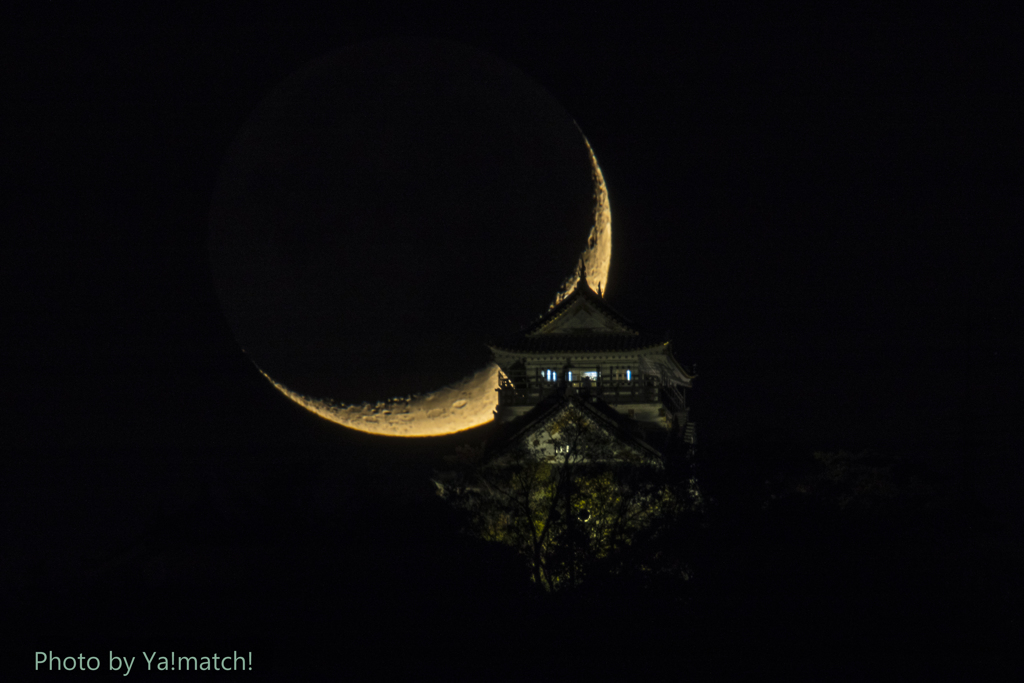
x: 572, y: 499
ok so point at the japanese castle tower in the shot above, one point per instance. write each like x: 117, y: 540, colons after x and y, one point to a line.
x: 583, y: 352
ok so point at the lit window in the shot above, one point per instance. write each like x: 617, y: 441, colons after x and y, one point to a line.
x: 570, y: 375
x: 629, y: 375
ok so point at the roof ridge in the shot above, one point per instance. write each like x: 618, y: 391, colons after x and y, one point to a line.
x: 594, y: 405
x: 565, y: 304
x: 598, y: 342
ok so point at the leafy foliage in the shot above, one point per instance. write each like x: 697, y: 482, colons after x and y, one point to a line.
x: 574, y: 502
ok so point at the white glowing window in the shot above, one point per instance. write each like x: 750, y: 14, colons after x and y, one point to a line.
x: 629, y: 375
x: 591, y: 375
x: 570, y: 375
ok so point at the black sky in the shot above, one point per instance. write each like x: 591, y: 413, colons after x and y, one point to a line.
x: 824, y: 212
x: 390, y: 206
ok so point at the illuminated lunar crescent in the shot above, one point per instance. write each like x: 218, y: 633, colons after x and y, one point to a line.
x: 471, y: 401
x: 597, y: 257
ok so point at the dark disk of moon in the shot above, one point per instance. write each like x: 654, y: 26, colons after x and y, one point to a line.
x: 390, y: 208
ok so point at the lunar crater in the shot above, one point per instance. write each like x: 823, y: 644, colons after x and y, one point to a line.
x: 310, y: 240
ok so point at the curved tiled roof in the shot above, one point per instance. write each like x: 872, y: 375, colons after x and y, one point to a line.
x: 578, y: 340
x: 622, y: 427
x: 582, y: 291
x: 562, y: 343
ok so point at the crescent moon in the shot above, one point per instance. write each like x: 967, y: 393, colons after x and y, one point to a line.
x: 597, y: 257
x: 471, y: 401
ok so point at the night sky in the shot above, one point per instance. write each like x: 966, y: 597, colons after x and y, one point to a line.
x: 824, y: 213
x: 388, y: 208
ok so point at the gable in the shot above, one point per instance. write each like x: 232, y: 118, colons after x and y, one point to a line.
x: 546, y: 434
x: 546, y: 438
x: 583, y: 317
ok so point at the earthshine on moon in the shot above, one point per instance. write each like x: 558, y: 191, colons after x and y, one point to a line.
x: 471, y: 401
x: 387, y: 208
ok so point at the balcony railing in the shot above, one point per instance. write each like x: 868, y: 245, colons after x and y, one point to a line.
x: 641, y: 390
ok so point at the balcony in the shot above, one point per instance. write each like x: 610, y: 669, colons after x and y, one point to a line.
x: 641, y: 390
